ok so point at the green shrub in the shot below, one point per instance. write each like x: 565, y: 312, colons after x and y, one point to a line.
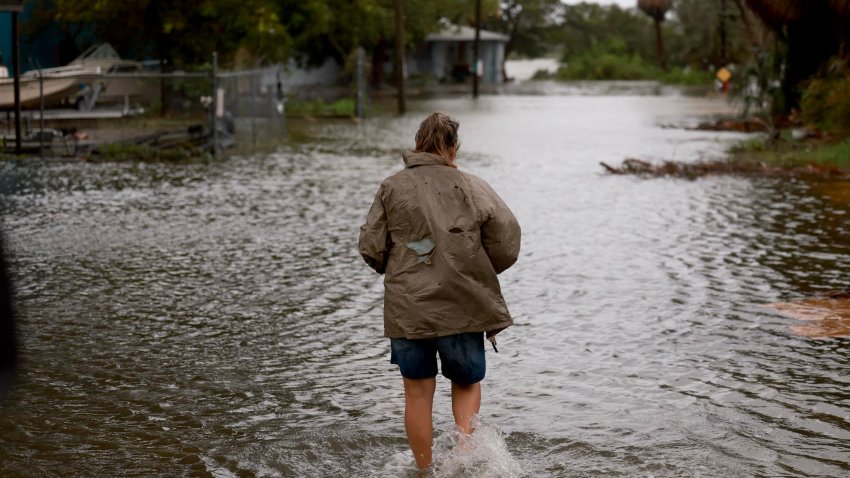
x: 141, y: 152
x: 837, y: 154
x: 123, y: 152
x: 542, y: 74
x: 826, y: 99
x: 613, y: 61
x: 342, y: 107
x: 787, y: 152
x: 687, y: 76
x: 606, y: 66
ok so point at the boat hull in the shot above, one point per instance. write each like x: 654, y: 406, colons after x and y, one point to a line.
x: 56, y: 91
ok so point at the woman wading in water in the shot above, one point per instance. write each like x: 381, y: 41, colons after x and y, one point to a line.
x: 440, y: 235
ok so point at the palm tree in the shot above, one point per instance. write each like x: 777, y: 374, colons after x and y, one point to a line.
x: 656, y: 9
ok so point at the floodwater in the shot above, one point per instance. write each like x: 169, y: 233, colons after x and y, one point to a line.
x: 214, y: 317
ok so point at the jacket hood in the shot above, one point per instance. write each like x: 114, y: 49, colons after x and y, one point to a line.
x: 416, y: 158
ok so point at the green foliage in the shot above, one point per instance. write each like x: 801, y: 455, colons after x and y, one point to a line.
x: 691, y: 33
x: 614, y: 60
x: 590, y: 27
x: 530, y: 24
x: 607, y: 66
x: 182, y: 33
x: 754, y: 145
x: 826, y: 99
x: 792, y: 153
x: 837, y: 154
x: 699, y: 33
x: 686, y: 76
x: 324, y: 29
x: 757, y: 87
x: 342, y: 107
x: 543, y: 74
x: 137, y: 152
x: 186, y: 33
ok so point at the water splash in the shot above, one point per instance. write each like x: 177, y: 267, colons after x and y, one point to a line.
x: 482, y: 454
x: 456, y: 455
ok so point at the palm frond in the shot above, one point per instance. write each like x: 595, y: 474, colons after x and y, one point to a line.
x: 655, y: 8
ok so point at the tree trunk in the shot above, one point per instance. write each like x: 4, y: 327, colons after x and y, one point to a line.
x: 163, y: 97
x: 659, y: 45
x: 509, y: 46
x: 399, y: 54
x: 505, y: 70
x: 723, y: 36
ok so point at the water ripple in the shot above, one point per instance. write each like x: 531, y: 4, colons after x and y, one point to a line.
x: 215, y: 318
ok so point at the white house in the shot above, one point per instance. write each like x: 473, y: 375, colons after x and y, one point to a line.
x: 448, y: 54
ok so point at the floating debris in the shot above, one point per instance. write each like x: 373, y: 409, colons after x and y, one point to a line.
x: 639, y: 167
x: 750, y: 125
x: 829, y: 316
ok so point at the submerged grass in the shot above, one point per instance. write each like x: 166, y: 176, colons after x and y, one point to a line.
x: 783, y: 157
x: 342, y: 107
x: 789, y: 153
x: 139, y: 152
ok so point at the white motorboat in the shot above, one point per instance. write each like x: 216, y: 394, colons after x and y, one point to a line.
x: 73, y: 83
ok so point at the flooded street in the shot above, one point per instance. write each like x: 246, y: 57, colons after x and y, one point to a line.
x: 214, y: 317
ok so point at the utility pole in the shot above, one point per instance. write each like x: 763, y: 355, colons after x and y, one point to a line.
x: 475, y: 49
x: 723, y: 39
x: 399, y: 54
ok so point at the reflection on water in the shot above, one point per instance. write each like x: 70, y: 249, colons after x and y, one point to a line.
x: 830, y: 317
x: 215, y: 318
x: 837, y: 191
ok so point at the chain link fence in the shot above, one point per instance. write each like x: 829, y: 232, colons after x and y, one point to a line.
x: 245, y: 108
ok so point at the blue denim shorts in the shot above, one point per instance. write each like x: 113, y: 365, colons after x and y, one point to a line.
x: 461, y: 357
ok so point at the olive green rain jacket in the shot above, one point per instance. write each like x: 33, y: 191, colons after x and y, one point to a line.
x: 440, y: 235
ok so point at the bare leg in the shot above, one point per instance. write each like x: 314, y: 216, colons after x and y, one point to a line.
x: 466, y: 402
x: 418, y: 403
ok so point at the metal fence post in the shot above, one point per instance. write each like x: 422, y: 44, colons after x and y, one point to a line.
x: 269, y: 109
x: 281, y: 98
x: 41, y: 109
x: 253, y: 78
x: 214, y: 104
